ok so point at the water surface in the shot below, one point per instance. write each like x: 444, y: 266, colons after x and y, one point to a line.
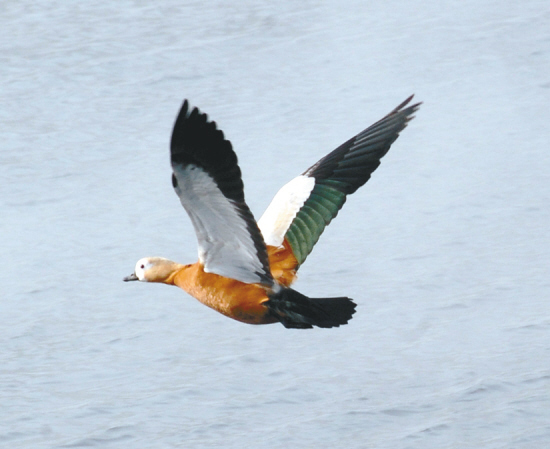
x: 445, y: 249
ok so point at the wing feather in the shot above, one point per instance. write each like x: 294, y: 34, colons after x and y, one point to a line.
x: 323, y: 188
x: 207, y: 179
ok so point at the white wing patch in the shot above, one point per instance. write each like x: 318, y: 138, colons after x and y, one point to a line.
x: 225, y: 245
x: 283, y: 209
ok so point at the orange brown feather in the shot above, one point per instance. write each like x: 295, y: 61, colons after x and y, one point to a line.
x: 234, y: 299
x: 283, y: 264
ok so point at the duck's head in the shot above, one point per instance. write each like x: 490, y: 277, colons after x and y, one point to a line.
x: 153, y: 269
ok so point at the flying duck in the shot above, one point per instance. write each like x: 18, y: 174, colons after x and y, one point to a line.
x: 245, y: 268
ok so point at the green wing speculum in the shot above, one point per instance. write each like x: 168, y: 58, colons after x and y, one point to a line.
x: 311, y: 220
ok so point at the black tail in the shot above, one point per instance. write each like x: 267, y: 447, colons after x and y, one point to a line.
x: 297, y: 311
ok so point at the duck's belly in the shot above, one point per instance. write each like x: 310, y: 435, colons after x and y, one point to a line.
x: 235, y: 299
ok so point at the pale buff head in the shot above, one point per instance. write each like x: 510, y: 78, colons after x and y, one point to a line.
x: 153, y: 269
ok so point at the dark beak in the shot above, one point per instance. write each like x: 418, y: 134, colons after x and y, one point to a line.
x: 132, y: 277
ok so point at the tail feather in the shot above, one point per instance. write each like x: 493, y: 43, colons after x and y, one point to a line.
x: 297, y: 311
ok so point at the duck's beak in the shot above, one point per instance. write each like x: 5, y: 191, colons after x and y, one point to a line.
x: 132, y: 277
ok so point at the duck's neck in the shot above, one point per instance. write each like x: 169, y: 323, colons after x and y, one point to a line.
x: 164, y: 271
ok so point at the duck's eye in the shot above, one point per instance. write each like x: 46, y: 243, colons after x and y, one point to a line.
x: 142, y: 266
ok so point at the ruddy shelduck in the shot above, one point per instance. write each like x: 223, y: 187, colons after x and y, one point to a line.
x: 245, y: 268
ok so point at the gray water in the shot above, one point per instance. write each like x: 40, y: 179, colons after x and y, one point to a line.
x: 446, y: 249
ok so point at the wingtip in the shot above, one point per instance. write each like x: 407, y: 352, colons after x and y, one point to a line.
x: 184, y: 110
x: 405, y: 109
x: 412, y: 108
x: 190, y: 121
x: 187, y: 111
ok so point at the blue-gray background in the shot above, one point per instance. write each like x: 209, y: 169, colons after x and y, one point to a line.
x: 446, y: 250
